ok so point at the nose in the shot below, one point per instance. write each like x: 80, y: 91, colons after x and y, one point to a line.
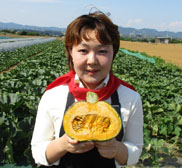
x: 92, y: 58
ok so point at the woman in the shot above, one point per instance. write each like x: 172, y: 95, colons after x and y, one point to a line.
x: 92, y: 42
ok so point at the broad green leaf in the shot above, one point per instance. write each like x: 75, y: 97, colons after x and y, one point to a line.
x: 163, y: 130
x: 178, y: 108
x: 177, y: 130
x: 179, y: 121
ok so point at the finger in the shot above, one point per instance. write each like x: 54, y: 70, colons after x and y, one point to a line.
x: 89, y: 143
x: 72, y: 141
x: 82, y: 147
x: 107, y: 153
x: 105, y: 143
x: 101, y: 144
x: 86, y: 145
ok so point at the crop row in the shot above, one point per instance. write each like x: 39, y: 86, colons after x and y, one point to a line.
x: 158, y: 84
x: 9, y: 58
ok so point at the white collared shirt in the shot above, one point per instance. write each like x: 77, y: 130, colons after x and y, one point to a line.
x: 51, y: 111
x: 101, y: 85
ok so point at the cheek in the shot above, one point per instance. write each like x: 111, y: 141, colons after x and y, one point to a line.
x: 106, y: 61
x: 78, y: 61
x: 75, y: 56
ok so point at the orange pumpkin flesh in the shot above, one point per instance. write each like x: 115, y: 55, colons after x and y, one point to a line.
x: 96, y: 121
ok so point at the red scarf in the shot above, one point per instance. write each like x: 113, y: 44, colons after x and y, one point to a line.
x: 80, y: 93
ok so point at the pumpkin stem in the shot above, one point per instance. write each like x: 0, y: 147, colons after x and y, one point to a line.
x: 91, y: 97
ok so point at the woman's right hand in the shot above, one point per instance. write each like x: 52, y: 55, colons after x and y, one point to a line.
x: 59, y: 147
x: 74, y: 146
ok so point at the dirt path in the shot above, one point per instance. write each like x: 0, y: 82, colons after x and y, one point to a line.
x: 171, y: 53
x: 18, y: 36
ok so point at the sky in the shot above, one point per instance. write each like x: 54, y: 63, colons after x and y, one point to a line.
x: 162, y: 15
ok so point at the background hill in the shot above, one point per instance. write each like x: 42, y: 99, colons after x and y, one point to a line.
x: 41, y: 30
x: 145, y: 32
x: 125, y: 31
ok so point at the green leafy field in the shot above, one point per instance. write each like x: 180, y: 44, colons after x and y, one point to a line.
x: 159, y: 84
x: 9, y: 58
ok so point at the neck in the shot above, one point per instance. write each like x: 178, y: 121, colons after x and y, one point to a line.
x: 93, y: 86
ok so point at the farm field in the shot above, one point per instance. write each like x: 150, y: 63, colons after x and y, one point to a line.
x: 159, y: 85
x: 171, y: 53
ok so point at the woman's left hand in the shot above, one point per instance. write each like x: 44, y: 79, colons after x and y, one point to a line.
x: 108, y: 149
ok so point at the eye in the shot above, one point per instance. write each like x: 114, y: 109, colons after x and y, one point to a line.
x: 82, y: 51
x: 103, y: 51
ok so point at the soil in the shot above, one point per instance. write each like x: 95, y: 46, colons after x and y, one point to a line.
x: 171, y: 53
x: 19, y: 36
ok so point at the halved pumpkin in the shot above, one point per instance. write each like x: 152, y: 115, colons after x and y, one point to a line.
x: 91, y: 120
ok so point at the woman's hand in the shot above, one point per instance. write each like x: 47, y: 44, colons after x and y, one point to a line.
x: 107, y: 149
x: 113, y: 149
x: 59, y: 147
x: 73, y: 146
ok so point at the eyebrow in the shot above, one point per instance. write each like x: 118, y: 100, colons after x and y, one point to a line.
x: 100, y: 45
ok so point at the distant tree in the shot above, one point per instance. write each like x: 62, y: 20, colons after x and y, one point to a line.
x: 33, y: 33
x: 176, y: 41
x: 28, y: 33
x: 23, y: 32
x: 152, y: 40
x: 8, y: 31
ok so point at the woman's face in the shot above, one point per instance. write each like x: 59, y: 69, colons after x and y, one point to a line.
x: 92, y: 61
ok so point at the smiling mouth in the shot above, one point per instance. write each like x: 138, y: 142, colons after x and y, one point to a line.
x: 92, y: 71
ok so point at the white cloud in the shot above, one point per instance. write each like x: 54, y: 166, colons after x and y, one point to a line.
x: 175, y: 26
x: 134, y: 22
